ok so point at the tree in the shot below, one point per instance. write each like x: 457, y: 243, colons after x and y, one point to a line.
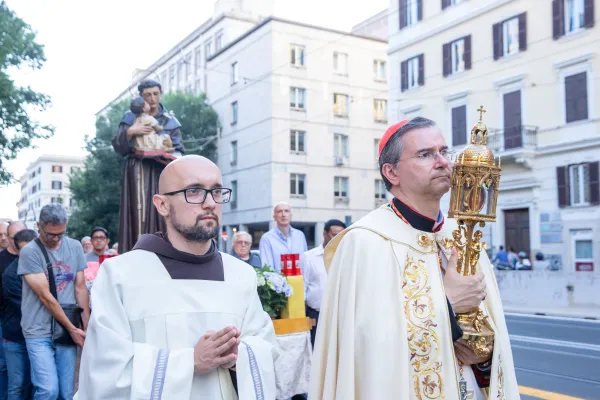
x: 17, y: 129
x: 96, y: 189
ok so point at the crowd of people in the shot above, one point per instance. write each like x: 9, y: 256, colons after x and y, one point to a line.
x: 173, y: 317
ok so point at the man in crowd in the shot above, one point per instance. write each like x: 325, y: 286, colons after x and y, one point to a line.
x: 388, y: 327
x: 15, y: 351
x: 100, y: 240
x: 52, y: 365
x: 174, y: 317
x: 282, y: 239
x: 3, y: 235
x: 242, y: 242
x: 315, y: 276
x: 86, y: 243
x: 7, y: 257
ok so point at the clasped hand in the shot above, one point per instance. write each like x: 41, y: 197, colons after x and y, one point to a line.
x: 464, y: 293
x: 216, y: 349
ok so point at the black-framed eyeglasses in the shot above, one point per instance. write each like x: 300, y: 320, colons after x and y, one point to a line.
x: 50, y: 236
x: 99, y: 238
x: 198, y: 195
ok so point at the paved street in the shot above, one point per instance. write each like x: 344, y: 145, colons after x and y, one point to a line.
x: 558, y: 355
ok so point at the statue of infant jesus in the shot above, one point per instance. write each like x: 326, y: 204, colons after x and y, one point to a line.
x: 154, y: 140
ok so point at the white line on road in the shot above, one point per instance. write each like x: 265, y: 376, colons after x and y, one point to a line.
x: 556, y: 343
x: 546, y: 317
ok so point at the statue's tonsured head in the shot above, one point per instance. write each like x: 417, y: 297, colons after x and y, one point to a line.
x: 148, y: 84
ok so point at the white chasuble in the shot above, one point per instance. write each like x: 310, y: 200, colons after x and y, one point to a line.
x: 144, y: 326
x: 384, y: 330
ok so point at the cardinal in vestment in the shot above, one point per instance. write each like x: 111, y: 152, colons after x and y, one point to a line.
x: 387, y: 328
x: 140, y: 176
x: 174, y: 318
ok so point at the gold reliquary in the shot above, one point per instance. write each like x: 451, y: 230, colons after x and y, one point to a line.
x: 473, y: 199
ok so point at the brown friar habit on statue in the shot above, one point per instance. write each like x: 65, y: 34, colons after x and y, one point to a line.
x: 140, y: 176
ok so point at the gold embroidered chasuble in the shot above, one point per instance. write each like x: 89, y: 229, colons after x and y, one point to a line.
x: 384, y: 330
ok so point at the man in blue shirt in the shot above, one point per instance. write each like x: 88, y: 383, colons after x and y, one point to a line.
x: 501, y: 259
x: 283, y: 239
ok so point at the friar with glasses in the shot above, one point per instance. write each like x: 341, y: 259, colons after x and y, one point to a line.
x: 387, y: 327
x: 140, y: 176
x: 174, y: 317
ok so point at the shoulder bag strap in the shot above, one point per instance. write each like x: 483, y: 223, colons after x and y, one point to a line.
x: 51, y: 280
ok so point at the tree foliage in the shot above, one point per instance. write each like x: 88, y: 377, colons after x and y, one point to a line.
x: 18, y: 49
x: 97, y: 188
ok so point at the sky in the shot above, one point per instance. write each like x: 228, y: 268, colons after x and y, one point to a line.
x: 92, y: 49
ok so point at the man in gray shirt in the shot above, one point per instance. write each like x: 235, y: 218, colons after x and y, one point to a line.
x: 52, y: 365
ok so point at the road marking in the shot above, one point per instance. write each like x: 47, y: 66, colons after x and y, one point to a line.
x: 542, y: 394
x: 556, y: 343
x: 553, y: 317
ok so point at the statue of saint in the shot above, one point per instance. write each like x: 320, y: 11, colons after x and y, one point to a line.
x: 148, y: 137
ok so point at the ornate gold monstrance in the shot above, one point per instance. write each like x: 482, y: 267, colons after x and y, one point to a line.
x: 475, y: 182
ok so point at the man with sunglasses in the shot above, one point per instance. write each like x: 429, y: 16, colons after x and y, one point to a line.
x: 100, y: 238
x: 52, y: 364
x: 174, y: 317
x: 387, y: 324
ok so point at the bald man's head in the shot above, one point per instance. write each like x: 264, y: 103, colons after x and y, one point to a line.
x: 3, y: 235
x: 184, y: 199
x: 186, y: 170
x: 14, y: 228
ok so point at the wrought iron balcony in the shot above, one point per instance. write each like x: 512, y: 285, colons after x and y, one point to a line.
x: 512, y: 139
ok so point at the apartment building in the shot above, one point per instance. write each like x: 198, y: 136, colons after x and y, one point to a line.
x: 534, y: 66
x: 46, y: 181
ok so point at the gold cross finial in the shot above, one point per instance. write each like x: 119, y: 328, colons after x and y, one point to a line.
x: 481, y: 111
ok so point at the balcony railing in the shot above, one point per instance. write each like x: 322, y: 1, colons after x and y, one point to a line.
x: 513, y: 138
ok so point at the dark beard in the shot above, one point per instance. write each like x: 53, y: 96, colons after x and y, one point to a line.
x: 196, y: 232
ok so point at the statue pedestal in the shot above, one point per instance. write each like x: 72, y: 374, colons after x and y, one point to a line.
x: 157, y: 155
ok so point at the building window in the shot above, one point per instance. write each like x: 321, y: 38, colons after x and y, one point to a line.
x: 234, y: 73
x: 579, y: 176
x: 234, y: 113
x: 234, y: 152
x: 457, y: 56
x: 411, y: 12
x: 340, y: 63
x: 574, y: 15
x: 71, y: 202
x: 75, y: 169
x: 172, y: 77
x: 164, y: 80
x: 576, y: 97
x: 198, y: 57
x: 571, y: 15
x: 234, y: 190
x: 39, y: 170
x: 297, y: 184
x: 578, y: 185
x: 297, y: 139
x: 583, y: 249
x: 219, y: 41
x: 448, y: 3
x: 340, y: 186
x: 180, y: 72
x: 297, y: 55
x: 459, y: 125
x: 207, y: 49
x: 379, y: 189
x: 297, y: 98
x: 188, y: 67
x: 340, y: 145
x: 380, y: 110
x: 412, y: 73
x: 376, y: 150
x: 57, y: 168
x: 57, y: 185
x: 379, y: 70
x: 340, y: 104
x: 510, y: 36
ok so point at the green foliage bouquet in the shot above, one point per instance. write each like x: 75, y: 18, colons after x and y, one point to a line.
x: 273, y: 291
